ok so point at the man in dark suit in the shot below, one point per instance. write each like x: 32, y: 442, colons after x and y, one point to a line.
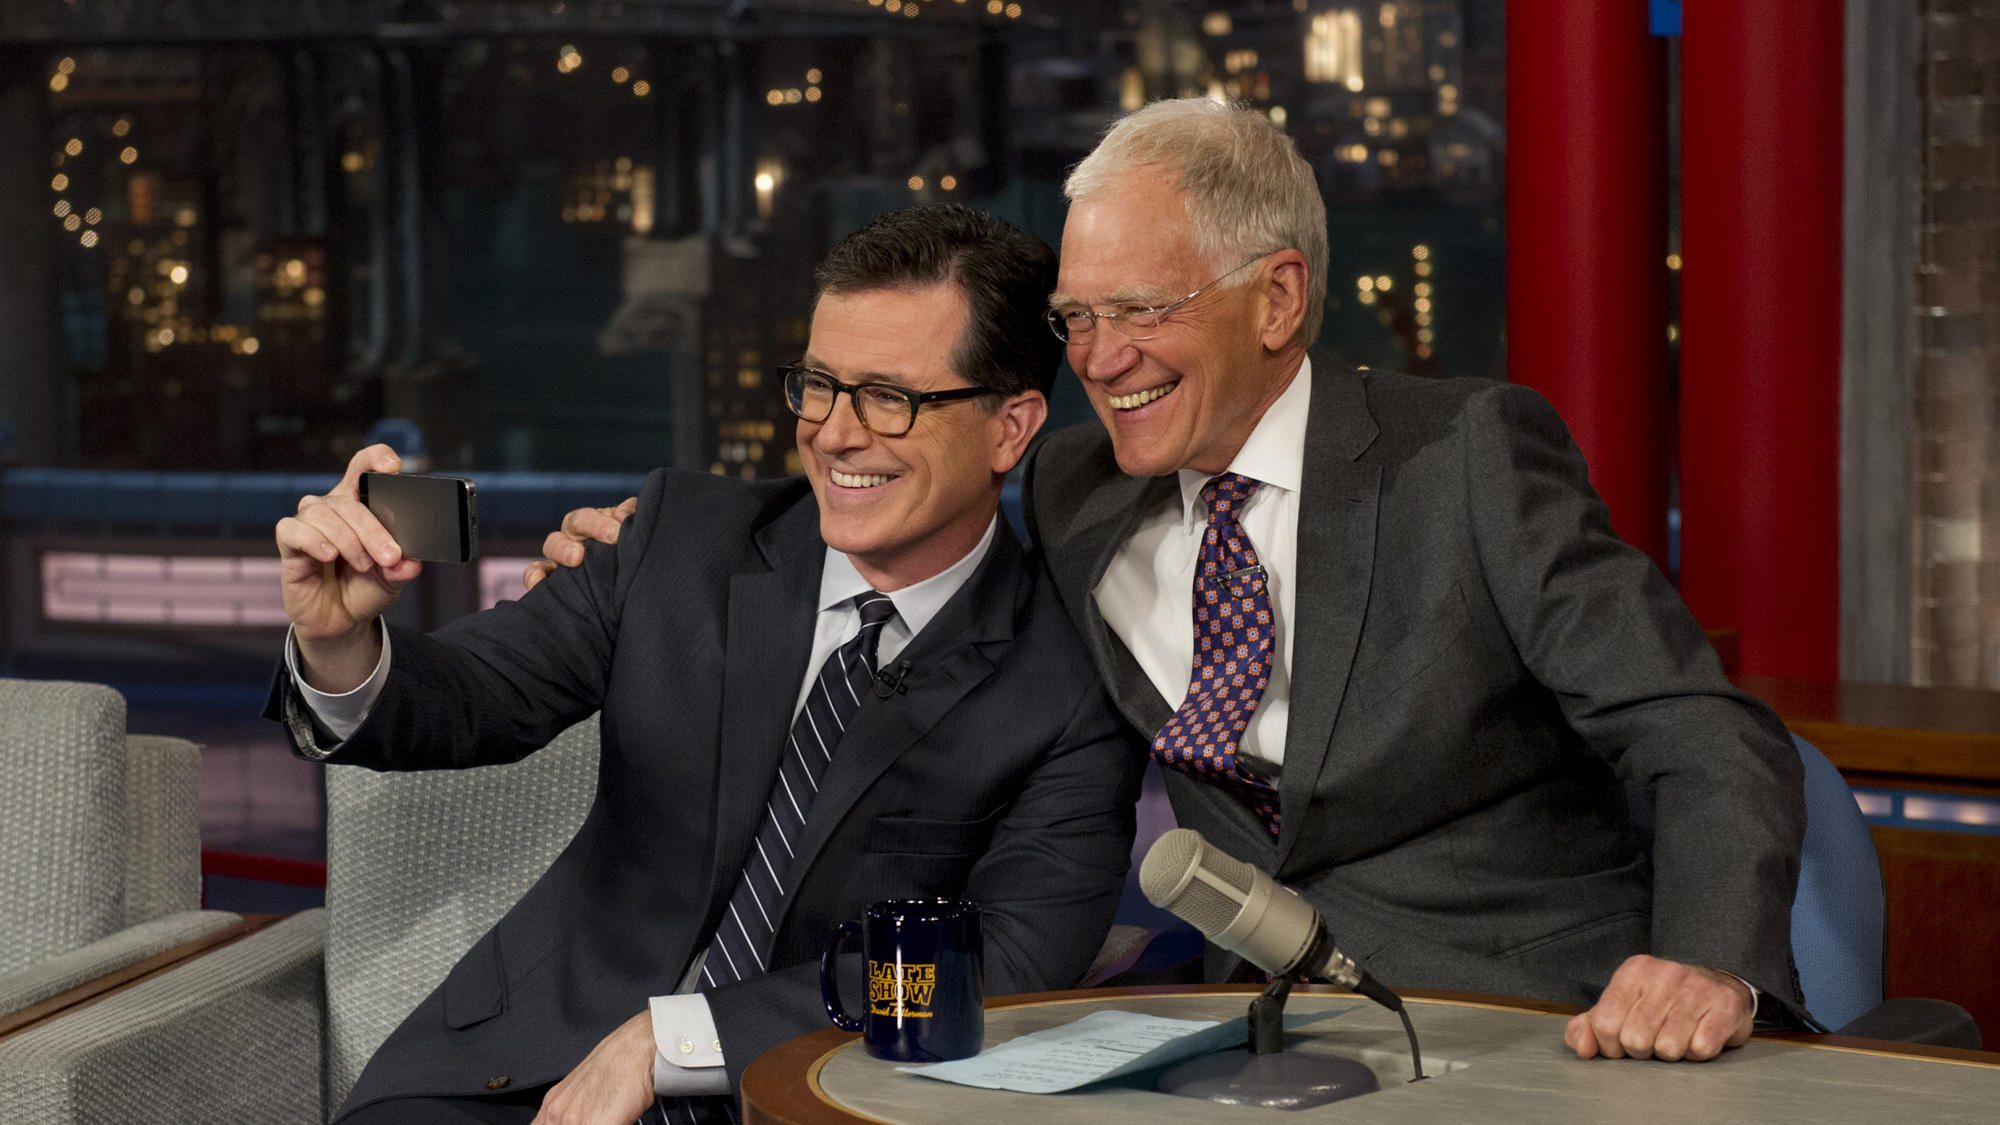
x: 983, y: 761
x: 1419, y: 664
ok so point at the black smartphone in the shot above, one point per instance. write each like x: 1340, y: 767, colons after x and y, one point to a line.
x: 434, y: 519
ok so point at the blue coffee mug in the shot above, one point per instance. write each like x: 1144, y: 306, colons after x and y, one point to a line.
x: 926, y: 996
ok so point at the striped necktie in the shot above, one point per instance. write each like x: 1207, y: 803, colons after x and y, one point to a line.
x: 1233, y: 636
x: 743, y: 936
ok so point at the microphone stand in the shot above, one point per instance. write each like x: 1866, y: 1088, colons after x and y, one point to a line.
x: 1262, y: 1073
x: 1267, y: 1016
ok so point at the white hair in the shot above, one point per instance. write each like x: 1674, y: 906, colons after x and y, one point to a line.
x: 1248, y: 190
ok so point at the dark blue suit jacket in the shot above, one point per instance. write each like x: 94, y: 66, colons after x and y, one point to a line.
x: 1000, y: 775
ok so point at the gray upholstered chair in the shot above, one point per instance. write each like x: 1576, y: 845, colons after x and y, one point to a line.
x: 419, y: 866
x: 100, y: 855
x: 100, y: 866
x: 276, y: 1027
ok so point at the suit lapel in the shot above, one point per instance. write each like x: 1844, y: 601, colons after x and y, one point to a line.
x: 771, y: 614
x: 947, y: 661
x: 1106, y: 520
x: 1338, y: 503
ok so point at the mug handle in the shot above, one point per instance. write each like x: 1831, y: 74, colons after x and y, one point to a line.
x: 829, y: 992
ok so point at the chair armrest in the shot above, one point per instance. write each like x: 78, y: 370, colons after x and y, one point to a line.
x: 231, y: 1035
x: 162, y: 827
x: 38, y: 982
x: 62, y: 818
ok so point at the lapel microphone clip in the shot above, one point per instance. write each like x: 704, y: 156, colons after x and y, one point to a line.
x: 890, y: 682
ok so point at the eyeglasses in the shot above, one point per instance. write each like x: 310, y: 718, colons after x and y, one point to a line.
x: 1134, y: 322
x: 884, y: 408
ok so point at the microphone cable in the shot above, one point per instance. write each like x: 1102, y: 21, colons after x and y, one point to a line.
x: 1340, y: 969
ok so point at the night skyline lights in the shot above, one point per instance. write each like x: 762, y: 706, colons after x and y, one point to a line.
x: 751, y: 147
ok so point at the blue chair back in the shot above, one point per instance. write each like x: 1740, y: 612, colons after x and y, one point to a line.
x: 1837, y: 918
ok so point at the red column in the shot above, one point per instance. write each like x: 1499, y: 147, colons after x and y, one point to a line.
x: 1760, y: 338
x: 1586, y: 241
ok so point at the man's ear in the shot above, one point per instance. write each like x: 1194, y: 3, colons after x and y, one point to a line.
x: 1284, y: 293
x: 1015, y: 423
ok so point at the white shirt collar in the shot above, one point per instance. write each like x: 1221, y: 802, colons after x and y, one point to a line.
x: 1274, y: 454
x: 915, y: 604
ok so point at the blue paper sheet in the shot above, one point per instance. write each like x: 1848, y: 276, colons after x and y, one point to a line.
x: 1099, y: 1047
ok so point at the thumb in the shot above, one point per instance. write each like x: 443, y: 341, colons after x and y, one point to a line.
x: 1578, y: 1036
x: 404, y: 570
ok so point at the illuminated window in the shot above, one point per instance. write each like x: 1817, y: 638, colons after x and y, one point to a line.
x: 1333, y: 49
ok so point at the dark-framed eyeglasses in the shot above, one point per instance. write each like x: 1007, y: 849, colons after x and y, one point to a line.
x: 885, y: 409
x: 1074, y: 324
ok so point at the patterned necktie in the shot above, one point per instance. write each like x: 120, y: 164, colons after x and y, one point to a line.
x: 743, y: 936
x: 1233, y: 635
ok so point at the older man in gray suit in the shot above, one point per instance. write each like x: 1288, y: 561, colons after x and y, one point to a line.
x: 1380, y: 629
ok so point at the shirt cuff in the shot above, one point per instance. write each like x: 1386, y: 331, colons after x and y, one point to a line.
x: 344, y: 713
x: 687, y: 1058
x: 1755, y: 996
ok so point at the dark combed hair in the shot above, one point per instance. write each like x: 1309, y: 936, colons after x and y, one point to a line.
x: 1005, y: 273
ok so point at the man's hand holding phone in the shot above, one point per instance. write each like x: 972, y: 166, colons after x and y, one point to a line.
x: 340, y: 570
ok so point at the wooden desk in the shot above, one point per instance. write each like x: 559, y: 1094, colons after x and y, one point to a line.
x: 1490, y: 1060
x: 1887, y: 734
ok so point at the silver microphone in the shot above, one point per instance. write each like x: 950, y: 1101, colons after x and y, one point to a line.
x: 1248, y: 913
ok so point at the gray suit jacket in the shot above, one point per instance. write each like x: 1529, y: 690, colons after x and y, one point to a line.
x: 1478, y: 661
x: 998, y: 774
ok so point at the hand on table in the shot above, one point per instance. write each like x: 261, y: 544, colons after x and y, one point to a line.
x: 1656, y: 1009
x: 613, y: 1084
x: 580, y: 526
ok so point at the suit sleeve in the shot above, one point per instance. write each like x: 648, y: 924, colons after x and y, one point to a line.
x: 1047, y: 887
x: 1598, y: 625
x: 497, y: 685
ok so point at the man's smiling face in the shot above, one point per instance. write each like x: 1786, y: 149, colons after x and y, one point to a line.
x: 1188, y: 397
x: 905, y: 508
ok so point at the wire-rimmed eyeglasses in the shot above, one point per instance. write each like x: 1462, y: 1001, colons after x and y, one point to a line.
x: 1074, y: 324
x: 885, y: 409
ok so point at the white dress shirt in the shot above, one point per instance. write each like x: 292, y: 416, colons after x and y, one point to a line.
x: 688, y: 1054
x: 1147, y: 593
